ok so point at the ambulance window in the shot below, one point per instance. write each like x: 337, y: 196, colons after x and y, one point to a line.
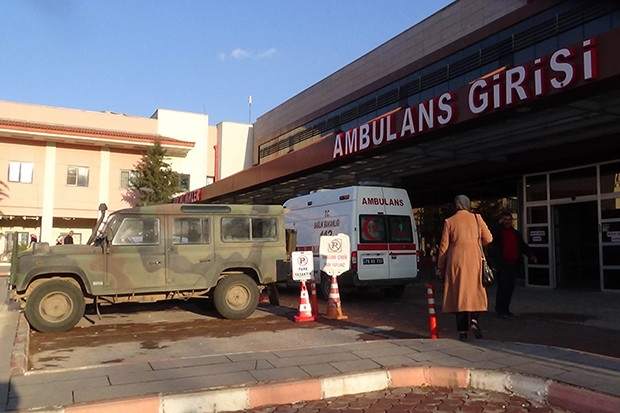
x: 399, y: 229
x: 372, y: 228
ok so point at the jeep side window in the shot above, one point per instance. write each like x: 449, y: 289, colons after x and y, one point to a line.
x: 264, y: 229
x: 191, y: 231
x: 236, y: 229
x: 141, y: 231
x: 249, y: 229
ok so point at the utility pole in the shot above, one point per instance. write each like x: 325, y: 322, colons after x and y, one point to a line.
x: 250, y: 109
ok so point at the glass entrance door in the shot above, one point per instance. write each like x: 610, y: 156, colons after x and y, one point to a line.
x: 610, y: 240
x: 576, y: 245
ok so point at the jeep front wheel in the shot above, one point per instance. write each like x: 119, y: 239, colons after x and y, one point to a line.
x: 54, y: 306
x: 235, y: 296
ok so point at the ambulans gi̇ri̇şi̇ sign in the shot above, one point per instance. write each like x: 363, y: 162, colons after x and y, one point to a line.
x: 303, y: 265
x: 335, y: 254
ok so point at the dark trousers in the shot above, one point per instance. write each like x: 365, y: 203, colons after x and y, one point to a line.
x: 506, y: 276
x: 463, y: 319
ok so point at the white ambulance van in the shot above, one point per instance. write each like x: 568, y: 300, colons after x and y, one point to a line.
x: 380, y: 225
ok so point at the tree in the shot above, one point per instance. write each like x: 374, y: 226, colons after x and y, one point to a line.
x: 4, y: 191
x: 156, y: 182
x: 431, y: 219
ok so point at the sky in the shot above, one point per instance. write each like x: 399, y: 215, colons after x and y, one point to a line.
x: 202, y: 56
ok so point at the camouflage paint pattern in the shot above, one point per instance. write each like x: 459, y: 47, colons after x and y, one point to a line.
x: 166, y: 265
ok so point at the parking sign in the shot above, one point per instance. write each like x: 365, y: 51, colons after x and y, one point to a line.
x: 303, y: 265
x: 335, y: 254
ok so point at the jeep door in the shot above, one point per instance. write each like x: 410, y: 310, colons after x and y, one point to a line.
x: 190, y: 253
x: 136, y: 260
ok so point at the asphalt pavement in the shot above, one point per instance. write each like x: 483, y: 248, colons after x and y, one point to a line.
x: 550, y: 376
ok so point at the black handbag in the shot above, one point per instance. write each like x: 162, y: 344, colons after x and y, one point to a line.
x: 488, y: 272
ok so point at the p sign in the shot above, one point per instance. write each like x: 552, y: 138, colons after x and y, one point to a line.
x: 303, y: 265
x: 335, y: 253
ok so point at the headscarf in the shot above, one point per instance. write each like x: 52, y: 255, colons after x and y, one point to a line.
x: 462, y: 202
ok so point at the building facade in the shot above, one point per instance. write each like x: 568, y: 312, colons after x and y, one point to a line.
x: 61, y: 164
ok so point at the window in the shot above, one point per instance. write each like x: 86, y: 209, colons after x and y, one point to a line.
x: 21, y: 172
x: 573, y: 183
x: 399, y: 229
x: 536, y: 188
x: 249, y: 229
x: 610, y: 178
x: 126, y: 177
x: 372, y: 229
x: 191, y: 231
x: 77, y: 176
x: 137, y: 231
x: 184, y: 182
x: 264, y: 229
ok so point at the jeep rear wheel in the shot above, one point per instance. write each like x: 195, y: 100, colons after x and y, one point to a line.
x: 54, y: 306
x: 236, y: 296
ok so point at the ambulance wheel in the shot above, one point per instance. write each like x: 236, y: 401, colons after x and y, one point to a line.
x: 54, y: 306
x: 326, y: 286
x: 236, y: 296
x: 394, y: 291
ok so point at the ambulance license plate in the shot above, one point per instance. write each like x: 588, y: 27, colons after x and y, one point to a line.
x: 371, y: 261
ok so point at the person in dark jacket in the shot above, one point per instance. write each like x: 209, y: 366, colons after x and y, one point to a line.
x: 506, y: 250
x: 69, y: 238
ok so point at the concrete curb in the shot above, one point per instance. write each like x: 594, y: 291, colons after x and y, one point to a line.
x: 19, y: 356
x: 537, y: 389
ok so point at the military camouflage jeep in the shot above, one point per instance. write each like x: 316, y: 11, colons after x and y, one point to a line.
x: 177, y: 251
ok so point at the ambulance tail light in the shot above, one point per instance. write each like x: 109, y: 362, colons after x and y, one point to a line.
x: 354, y: 260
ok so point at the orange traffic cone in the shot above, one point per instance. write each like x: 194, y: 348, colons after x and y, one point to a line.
x: 305, y: 311
x: 334, y: 311
x: 313, y: 300
x: 432, y: 315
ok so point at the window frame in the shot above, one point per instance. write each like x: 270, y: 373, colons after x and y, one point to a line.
x: 249, y: 228
x: 183, y: 177
x: 132, y: 174
x: 122, y: 234
x: 78, y: 173
x: 179, y: 234
x: 22, y: 175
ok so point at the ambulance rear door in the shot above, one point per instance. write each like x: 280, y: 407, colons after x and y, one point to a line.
x: 387, y: 238
x: 372, y: 247
x: 402, y: 235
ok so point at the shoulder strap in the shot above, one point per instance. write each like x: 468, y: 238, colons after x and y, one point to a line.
x: 479, y: 237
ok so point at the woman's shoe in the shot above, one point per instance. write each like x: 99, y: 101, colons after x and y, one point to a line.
x: 476, y: 330
x: 463, y: 336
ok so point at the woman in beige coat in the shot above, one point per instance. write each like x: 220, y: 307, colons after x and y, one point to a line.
x: 460, y: 265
